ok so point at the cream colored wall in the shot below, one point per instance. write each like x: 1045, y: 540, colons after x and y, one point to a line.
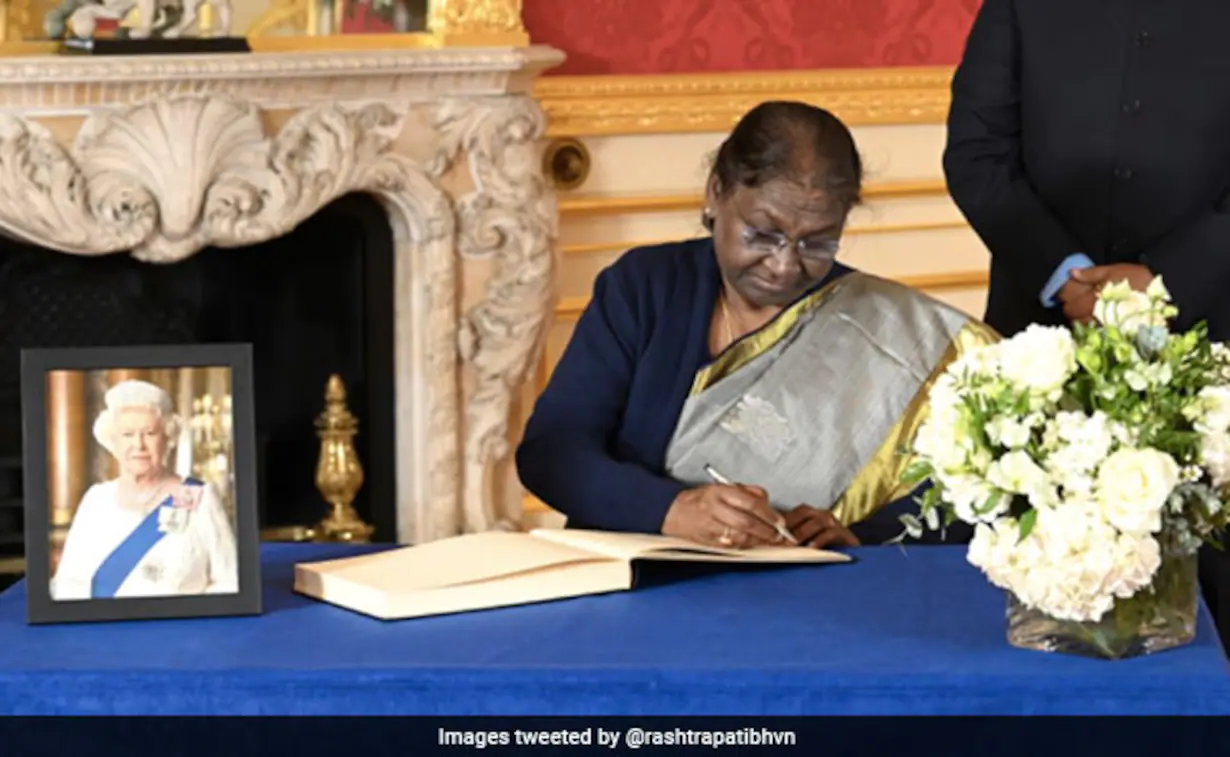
x: 245, y: 12
x: 646, y: 188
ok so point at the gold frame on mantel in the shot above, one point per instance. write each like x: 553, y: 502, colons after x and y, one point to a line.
x: 450, y: 23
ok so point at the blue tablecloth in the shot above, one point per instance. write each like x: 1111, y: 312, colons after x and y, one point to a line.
x: 914, y: 633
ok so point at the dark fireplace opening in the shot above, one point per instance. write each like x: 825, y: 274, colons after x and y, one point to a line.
x: 315, y: 302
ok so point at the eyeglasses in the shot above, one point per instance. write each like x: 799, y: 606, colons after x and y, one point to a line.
x: 775, y: 242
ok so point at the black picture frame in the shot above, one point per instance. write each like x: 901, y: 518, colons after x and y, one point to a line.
x: 35, y: 365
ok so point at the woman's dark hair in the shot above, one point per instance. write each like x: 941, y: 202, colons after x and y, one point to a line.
x: 790, y: 140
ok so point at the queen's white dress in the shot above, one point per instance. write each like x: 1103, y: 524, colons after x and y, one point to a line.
x: 184, y: 546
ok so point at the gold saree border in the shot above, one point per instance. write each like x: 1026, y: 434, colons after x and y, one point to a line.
x: 755, y: 344
x: 879, y: 481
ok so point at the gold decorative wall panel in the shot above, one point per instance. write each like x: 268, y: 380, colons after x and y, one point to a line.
x: 661, y: 104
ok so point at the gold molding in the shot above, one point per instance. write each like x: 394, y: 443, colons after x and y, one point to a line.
x: 477, y: 23
x: 703, y: 103
x: 887, y: 228
x: 597, y: 204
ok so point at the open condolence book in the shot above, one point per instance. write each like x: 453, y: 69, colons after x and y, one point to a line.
x: 499, y: 569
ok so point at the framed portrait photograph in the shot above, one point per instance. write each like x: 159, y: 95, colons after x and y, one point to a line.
x: 140, y: 483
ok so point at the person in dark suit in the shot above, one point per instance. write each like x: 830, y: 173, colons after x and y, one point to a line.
x: 1086, y: 145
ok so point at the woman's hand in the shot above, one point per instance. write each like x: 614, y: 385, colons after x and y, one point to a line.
x: 818, y: 528
x: 726, y: 516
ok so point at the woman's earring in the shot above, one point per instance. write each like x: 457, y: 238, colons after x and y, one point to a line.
x: 706, y: 217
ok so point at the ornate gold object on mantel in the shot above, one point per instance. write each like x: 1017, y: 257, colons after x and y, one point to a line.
x: 339, y: 476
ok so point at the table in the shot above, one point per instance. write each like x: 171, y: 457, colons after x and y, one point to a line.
x: 914, y: 633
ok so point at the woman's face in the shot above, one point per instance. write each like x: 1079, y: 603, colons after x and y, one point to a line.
x: 140, y: 441
x: 775, y: 241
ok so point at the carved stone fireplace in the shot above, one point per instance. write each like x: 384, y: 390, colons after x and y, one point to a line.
x: 163, y: 157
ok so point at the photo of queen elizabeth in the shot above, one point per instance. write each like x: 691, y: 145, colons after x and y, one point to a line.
x: 148, y: 531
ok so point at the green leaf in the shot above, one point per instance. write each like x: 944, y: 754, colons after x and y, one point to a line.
x: 917, y: 472
x: 1027, y: 523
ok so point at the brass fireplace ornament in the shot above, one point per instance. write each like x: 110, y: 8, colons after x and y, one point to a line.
x: 566, y: 163
x: 339, y: 475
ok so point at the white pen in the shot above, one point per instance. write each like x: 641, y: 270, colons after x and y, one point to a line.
x: 718, y: 478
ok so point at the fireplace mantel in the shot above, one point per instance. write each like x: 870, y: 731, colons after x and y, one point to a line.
x: 162, y: 156
x: 58, y: 85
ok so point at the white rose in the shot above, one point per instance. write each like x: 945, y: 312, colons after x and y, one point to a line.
x: 1215, y: 457
x: 1211, y: 411
x: 1040, y: 359
x: 1133, y: 486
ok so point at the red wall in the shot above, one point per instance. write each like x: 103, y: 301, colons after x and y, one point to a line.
x: 684, y: 36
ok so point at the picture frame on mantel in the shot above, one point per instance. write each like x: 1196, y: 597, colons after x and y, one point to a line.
x: 139, y: 483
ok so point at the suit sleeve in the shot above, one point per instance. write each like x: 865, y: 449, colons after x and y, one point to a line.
x: 1194, y: 263
x: 982, y: 159
x: 565, y: 458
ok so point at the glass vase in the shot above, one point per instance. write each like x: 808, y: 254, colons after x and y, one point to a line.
x: 1162, y: 616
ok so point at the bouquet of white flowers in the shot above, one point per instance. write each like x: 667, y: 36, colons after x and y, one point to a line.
x: 1093, y: 463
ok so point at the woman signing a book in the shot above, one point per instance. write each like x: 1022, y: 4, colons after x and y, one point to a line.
x: 745, y: 389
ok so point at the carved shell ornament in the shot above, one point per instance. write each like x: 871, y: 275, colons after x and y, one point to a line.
x: 172, y: 176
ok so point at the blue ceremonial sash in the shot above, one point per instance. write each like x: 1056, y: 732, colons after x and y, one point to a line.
x: 124, y: 558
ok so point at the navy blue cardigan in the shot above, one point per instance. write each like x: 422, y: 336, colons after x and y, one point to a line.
x: 595, y: 446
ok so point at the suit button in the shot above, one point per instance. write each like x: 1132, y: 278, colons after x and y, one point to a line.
x: 1142, y: 39
x: 1123, y: 173
x: 1131, y: 107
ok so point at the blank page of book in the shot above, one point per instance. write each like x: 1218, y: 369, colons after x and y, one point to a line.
x: 453, y: 561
